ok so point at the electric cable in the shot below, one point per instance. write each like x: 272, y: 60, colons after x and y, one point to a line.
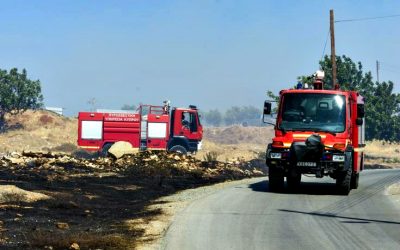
x: 366, y: 18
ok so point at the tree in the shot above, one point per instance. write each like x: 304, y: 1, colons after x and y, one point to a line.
x: 273, y: 98
x: 18, y: 93
x: 232, y: 115
x: 245, y: 114
x: 382, y: 106
x: 213, y: 117
x: 128, y: 107
x: 383, y: 113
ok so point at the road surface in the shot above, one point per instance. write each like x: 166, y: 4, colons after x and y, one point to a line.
x: 251, y: 217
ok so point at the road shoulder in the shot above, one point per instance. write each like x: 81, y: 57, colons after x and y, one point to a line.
x: 393, y: 192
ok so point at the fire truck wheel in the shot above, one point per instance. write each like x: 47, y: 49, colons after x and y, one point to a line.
x: 354, y: 180
x: 178, y: 149
x: 293, y: 180
x: 343, y: 182
x: 104, y: 150
x: 276, y: 179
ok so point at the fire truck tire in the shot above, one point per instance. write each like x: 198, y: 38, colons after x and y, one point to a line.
x: 104, y: 150
x: 343, y: 182
x: 276, y: 179
x: 178, y: 149
x: 293, y: 180
x: 355, y: 180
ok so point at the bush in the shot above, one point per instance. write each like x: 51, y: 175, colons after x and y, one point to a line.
x: 210, y: 156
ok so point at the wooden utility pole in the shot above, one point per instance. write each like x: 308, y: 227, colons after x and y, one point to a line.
x: 377, y: 70
x: 333, y: 54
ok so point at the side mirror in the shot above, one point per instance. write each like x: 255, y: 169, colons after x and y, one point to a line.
x: 267, y: 108
x: 360, y: 111
x: 359, y: 121
x: 267, y: 111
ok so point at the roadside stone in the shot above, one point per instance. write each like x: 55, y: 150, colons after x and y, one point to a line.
x: 62, y: 225
x: 154, y: 157
x: 74, y: 246
x: 16, y: 160
x: 15, y: 155
x: 122, y: 148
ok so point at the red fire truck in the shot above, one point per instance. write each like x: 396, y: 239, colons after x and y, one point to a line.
x: 318, y: 132
x: 151, y: 127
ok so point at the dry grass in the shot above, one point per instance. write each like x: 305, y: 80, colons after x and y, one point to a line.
x: 383, y: 150
x: 38, y: 130
x: 13, y: 194
x: 63, y: 240
x: 230, y: 152
x: 239, y: 135
x: 13, y: 197
x: 235, y: 143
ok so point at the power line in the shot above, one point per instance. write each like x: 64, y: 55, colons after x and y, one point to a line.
x: 366, y: 18
x: 326, y: 41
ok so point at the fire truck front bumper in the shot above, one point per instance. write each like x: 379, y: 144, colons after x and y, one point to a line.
x: 329, y: 164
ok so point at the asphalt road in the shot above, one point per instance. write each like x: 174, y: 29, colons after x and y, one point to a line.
x: 251, y: 217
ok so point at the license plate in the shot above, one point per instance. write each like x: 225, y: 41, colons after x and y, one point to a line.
x: 306, y: 164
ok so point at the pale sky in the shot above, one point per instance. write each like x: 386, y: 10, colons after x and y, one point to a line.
x: 211, y: 53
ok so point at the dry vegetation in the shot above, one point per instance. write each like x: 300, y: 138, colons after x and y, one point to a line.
x: 382, y: 154
x: 235, y: 143
x: 39, y: 130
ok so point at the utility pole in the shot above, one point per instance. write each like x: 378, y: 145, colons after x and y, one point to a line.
x: 377, y: 70
x: 333, y: 54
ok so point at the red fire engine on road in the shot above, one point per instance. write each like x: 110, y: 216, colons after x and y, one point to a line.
x: 318, y: 132
x: 151, y: 127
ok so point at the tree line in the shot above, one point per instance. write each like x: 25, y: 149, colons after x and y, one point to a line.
x: 245, y: 115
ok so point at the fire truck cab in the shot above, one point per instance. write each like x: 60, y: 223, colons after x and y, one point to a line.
x: 318, y: 132
x: 150, y: 127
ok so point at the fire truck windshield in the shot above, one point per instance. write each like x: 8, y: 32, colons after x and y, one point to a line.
x: 313, y: 112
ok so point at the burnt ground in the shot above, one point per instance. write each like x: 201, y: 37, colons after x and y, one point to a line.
x: 98, y: 203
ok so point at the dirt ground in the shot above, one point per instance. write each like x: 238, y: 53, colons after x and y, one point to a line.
x: 56, y: 200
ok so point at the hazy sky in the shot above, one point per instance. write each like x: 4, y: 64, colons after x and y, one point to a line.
x: 212, y: 53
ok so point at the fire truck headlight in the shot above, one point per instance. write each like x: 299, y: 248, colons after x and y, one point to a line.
x: 339, y: 158
x: 275, y: 155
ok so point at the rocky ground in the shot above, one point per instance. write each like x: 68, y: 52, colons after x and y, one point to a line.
x: 57, y: 201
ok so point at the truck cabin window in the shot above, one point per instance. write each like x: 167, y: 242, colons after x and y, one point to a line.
x: 314, y: 112
x: 189, y: 121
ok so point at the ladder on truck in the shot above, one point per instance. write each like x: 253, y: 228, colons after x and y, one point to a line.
x: 144, y: 111
x: 143, y: 132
